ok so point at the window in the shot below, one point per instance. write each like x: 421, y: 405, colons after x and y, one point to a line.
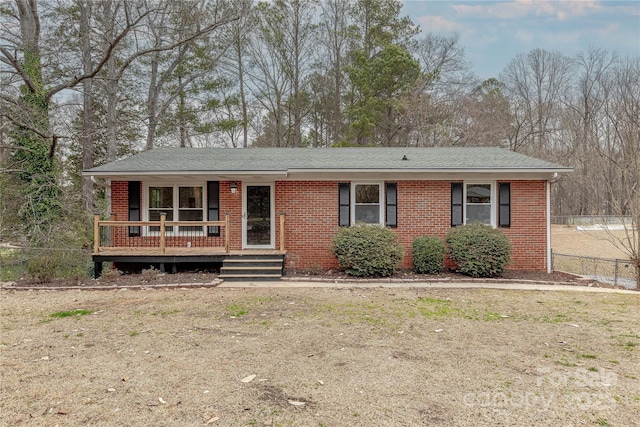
x: 180, y: 203
x: 478, y: 203
x: 471, y: 202
x: 366, y: 204
x: 190, y: 206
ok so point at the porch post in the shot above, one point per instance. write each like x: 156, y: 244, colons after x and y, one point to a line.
x: 282, y: 242
x: 112, y: 235
x: 96, y: 233
x: 163, y: 217
x: 226, y: 233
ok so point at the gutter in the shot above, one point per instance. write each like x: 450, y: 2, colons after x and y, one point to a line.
x: 555, y: 171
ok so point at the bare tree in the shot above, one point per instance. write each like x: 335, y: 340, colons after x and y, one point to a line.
x: 623, y: 156
x: 334, y: 35
x: 536, y: 83
x: 435, y: 112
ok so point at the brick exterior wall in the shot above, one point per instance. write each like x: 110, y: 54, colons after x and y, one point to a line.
x: 424, y: 209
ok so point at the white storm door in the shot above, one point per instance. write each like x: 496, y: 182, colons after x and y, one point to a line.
x: 258, y: 231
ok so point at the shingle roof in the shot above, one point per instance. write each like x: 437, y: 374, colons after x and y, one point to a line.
x: 221, y: 160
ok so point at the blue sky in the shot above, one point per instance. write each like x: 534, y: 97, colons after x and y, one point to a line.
x: 494, y: 32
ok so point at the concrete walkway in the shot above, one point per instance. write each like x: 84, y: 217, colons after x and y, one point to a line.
x: 425, y: 285
x: 342, y: 284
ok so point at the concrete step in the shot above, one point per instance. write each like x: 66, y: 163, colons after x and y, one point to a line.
x: 252, y: 267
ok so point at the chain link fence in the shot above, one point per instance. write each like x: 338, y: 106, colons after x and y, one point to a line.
x: 590, y: 220
x: 606, y: 270
x: 44, y: 263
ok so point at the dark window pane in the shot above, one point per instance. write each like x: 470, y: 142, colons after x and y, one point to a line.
x: 190, y: 215
x: 190, y: 197
x: 186, y: 229
x: 160, y: 197
x: 479, y: 193
x: 367, y: 193
x: 154, y: 215
x: 369, y: 214
x: 480, y: 213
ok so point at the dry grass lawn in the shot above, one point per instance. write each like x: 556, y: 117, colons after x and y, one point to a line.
x: 320, y: 357
x: 593, y: 243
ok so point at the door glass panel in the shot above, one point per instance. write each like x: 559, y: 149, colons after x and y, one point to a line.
x: 258, y: 215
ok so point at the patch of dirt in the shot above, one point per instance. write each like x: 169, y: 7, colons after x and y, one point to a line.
x: 154, y: 278
x: 114, y: 278
x: 318, y: 356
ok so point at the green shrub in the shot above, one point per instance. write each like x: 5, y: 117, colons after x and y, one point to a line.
x: 428, y: 255
x: 44, y: 267
x: 368, y: 250
x: 478, y: 250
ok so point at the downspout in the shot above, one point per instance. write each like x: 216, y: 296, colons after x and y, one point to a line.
x: 548, y: 190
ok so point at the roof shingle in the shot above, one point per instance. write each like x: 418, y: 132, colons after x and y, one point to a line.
x: 208, y: 160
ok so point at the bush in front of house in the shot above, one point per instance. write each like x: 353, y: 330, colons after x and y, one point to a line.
x: 368, y: 250
x: 478, y: 250
x: 428, y: 255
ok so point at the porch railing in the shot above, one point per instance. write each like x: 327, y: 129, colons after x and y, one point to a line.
x: 157, y: 237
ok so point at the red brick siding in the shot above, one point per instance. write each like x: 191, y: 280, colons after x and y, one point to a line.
x: 120, y: 200
x: 424, y: 209
x: 311, y: 210
x: 528, y: 233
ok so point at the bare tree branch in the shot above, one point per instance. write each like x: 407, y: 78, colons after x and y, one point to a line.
x: 15, y: 64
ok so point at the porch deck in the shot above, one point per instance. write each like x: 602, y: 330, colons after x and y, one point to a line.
x: 109, y: 252
x: 158, y: 242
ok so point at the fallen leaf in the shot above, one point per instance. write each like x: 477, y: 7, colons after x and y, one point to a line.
x: 248, y: 379
x: 125, y: 379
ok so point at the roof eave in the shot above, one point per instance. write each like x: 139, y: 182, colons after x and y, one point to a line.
x: 317, y: 173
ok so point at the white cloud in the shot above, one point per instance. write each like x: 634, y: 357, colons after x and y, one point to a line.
x: 431, y: 23
x: 561, y: 10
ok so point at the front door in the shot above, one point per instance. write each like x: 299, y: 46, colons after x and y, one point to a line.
x: 258, y: 211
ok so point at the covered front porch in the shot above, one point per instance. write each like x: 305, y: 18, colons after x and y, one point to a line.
x: 171, y: 243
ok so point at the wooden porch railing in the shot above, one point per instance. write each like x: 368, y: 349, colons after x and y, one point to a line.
x: 137, y: 236
x: 131, y: 237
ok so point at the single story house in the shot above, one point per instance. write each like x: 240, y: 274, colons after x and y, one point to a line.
x: 237, y: 206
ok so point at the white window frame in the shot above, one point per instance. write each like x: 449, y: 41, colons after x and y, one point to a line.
x: 381, y: 199
x: 494, y: 197
x: 175, y: 209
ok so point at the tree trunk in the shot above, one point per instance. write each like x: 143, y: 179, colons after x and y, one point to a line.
x: 87, y: 135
